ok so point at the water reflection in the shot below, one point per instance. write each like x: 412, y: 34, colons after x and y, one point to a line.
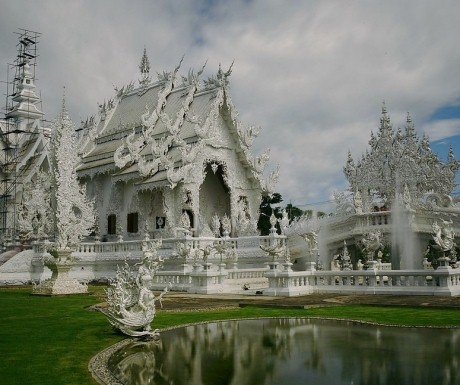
x: 292, y: 351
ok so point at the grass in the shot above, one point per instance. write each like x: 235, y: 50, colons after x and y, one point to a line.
x: 50, y: 340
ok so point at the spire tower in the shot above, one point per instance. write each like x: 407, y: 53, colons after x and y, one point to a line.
x: 144, y: 67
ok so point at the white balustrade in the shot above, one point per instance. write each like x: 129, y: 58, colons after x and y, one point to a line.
x: 443, y: 281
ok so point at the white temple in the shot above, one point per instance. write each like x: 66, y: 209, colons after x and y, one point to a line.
x: 169, y: 155
x: 168, y: 161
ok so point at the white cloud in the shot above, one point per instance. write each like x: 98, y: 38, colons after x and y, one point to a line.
x: 312, y: 74
x: 440, y: 129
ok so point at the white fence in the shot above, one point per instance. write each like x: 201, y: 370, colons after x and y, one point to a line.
x: 99, y: 260
x: 443, y: 282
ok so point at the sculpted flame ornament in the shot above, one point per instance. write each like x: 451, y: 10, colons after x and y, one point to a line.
x: 72, y: 214
x: 269, y: 185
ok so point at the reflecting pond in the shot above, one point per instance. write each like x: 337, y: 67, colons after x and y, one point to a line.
x: 291, y: 351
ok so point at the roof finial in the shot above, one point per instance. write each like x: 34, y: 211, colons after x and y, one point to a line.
x: 63, y: 108
x: 144, y: 67
x: 409, y: 118
x: 384, y: 107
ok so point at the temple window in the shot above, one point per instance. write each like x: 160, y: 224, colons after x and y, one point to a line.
x: 133, y: 222
x: 112, y: 224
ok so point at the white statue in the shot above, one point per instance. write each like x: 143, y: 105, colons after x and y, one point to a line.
x: 226, y: 225
x: 130, y: 298
x: 358, y: 202
x: 371, y: 242
x: 443, y: 236
x: 185, y: 220
x: 345, y: 260
x: 215, y: 224
x: 277, y: 251
x: 242, y: 217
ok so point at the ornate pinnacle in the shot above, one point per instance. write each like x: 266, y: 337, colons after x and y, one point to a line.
x: 144, y: 67
x: 409, y: 118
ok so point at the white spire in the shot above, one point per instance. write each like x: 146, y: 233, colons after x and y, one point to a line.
x: 144, y: 67
x: 25, y: 97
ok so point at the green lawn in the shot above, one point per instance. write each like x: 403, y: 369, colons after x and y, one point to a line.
x: 50, y: 340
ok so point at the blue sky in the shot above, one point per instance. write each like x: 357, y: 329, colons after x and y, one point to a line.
x: 312, y: 74
x: 448, y: 113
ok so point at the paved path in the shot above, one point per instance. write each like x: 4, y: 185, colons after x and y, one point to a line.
x: 184, y: 301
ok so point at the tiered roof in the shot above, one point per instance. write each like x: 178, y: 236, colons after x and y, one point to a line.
x: 155, y: 132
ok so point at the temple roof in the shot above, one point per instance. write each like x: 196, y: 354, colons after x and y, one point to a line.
x: 152, y: 132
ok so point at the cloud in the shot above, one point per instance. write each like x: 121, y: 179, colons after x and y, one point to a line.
x: 312, y: 74
x: 440, y: 129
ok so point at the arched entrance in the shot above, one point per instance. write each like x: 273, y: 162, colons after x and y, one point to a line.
x: 214, y: 194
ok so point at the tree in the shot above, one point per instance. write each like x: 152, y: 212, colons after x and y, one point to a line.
x: 266, y: 210
x: 293, y: 212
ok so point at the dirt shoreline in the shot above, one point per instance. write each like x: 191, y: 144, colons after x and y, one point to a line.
x: 184, y: 301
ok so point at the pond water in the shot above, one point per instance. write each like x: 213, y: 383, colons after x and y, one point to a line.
x: 292, y: 351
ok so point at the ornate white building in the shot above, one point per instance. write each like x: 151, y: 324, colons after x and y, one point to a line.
x: 399, y: 189
x: 170, y: 160
x: 169, y: 155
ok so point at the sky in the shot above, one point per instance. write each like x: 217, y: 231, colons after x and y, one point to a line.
x: 311, y: 74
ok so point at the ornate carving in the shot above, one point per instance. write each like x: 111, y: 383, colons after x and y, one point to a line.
x: 130, y: 298
x: 248, y: 135
x: 399, y: 160
x: 226, y: 225
x: 34, y: 212
x: 215, y: 223
x: 269, y: 185
x: 345, y: 260
x: 185, y: 221
x: 220, y: 80
x: 371, y: 242
x: 243, y: 222
x: 277, y: 251
x: 284, y: 223
x: 74, y: 213
x: 144, y: 67
x: 443, y: 236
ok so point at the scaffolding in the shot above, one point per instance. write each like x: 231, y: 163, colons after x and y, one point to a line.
x: 13, y: 135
